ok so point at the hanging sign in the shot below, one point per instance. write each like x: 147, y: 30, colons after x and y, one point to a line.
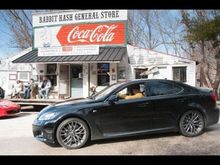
x: 69, y: 50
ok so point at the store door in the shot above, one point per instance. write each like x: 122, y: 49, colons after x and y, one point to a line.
x: 64, y: 81
x: 76, y: 81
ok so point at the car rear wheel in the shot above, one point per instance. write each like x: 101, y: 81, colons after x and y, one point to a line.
x: 72, y: 133
x: 192, y: 123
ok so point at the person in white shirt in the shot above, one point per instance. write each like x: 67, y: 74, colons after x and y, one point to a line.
x: 17, y: 89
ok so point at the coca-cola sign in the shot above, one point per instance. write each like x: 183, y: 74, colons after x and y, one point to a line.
x: 96, y: 34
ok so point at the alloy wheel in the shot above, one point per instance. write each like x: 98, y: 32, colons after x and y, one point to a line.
x: 72, y: 133
x: 191, y: 123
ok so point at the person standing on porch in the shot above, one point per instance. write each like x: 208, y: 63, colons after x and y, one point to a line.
x: 2, y: 93
x: 44, y: 88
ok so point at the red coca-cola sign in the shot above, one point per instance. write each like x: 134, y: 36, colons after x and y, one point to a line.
x: 96, y: 34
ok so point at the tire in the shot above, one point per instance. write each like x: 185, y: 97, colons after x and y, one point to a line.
x: 72, y: 133
x: 192, y: 123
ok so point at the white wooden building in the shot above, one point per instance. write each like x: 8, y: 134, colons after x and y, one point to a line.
x: 156, y: 65
x: 11, y: 72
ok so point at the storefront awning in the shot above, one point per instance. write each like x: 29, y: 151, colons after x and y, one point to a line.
x: 106, y: 54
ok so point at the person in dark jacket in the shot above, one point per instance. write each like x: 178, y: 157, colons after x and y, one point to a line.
x: 2, y: 93
x: 31, y: 90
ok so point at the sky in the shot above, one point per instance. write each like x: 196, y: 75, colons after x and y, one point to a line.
x: 5, y: 48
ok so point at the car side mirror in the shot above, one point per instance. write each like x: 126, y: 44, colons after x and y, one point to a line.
x: 113, y: 98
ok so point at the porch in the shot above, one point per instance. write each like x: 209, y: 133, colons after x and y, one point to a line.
x: 29, y: 102
x: 72, y: 76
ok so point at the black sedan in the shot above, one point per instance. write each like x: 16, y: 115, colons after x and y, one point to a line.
x: 166, y: 106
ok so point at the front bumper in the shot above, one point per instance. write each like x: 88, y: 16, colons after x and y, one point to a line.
x: 10, y: 112
x: 44, y: 132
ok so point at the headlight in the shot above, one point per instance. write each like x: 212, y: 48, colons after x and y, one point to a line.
x: 48, y: 116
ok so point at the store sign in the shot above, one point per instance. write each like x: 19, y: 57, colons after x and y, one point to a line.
x: 103, y: 33
x: 69, y: 50
x: 80, y: 34
x: 76, y: 17
x: 65, y: 32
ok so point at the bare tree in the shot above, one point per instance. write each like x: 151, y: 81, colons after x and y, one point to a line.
x: 206, y: 51
x: 158, y: 30
x: 140, y: 29
x: 19, y: 23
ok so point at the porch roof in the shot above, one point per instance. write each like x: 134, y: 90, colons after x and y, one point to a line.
x: 106, y: 54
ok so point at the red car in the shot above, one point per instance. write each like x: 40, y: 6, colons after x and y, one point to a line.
x: 8, y: 108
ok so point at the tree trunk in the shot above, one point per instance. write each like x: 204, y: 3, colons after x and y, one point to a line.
x: 204, y: 80
x: 217, y: 78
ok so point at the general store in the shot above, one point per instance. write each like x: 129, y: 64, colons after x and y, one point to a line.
x: 90, y: 49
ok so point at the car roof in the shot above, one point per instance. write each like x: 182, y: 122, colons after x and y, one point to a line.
x: 157, y: 80
x: 144, y: 80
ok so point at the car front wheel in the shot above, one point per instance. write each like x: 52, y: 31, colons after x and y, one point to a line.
x: 72, y: 133
x: 191, y: 123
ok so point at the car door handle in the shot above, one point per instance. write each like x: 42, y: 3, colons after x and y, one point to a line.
x: 181, y: 100
x: 143, y: 104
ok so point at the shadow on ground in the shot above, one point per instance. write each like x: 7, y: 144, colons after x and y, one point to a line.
x: 213, y: 128
x: 134, y: 138
x: 122, y: 139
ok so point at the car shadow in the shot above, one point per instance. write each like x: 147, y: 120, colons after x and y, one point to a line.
x: 134, y: 138
x: 213, y: 128
x: 120, y: 139
x: 149, y: 136
x: 53, y: 145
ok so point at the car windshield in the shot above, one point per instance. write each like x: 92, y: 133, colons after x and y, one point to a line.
x: 106, y: 91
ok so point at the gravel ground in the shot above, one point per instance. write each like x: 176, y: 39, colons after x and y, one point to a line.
x: 16, y: 139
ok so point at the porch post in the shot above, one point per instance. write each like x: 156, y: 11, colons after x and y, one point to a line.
x: 88, y: 79
x: 58, y: 80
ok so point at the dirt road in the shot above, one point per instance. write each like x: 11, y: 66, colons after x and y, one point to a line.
x: 16, y: 139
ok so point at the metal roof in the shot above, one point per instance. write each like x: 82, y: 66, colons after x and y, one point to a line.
x: 106, y: 54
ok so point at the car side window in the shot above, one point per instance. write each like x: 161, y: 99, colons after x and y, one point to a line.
x: 123, y: 91
x: 163, y: 88
x: 134, y: 91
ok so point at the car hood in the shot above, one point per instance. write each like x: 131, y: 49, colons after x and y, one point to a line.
x: 77, y: 101
x: 67, y: 104
x: 8, y: 103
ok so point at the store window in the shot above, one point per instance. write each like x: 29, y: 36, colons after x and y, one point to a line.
x: 103, y: 74
x: 121, y: 73
x: 24, y: 76
x: 51, y: 73
x: 139, y: 73
x: 179, y: 74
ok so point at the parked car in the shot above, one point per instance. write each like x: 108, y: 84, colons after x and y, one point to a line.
x: 167, y: 106
x: 8, y: 108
